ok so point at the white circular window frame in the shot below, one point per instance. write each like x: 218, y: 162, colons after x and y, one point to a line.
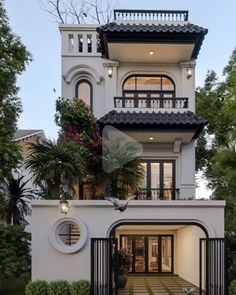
x: 57, y: 243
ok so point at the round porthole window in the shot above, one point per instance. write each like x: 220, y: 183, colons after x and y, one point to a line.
x: 68, y: 235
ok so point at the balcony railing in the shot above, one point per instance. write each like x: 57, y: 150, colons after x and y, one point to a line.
x: 150, y: 15
x: 153, y: 102
x: 158, y: 194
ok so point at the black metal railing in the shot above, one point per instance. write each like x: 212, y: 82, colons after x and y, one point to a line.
x: 150, y: 15
x: 158, y: 194
x: 153, y: 102
x: 102, y: 252
x: 213, y: 267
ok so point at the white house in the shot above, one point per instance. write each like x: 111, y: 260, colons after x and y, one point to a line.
x: 138, y: 75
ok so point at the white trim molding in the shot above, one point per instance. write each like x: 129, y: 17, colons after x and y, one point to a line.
x: 56, y: 241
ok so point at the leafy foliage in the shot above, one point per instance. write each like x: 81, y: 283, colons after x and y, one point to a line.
x: 59, y: 287
x: 124, y: 171
x: 81, y: 287
x: 232, y: 288
x: 216, y: 148
x: 14, y: 251
x: 13, y: 59
x: 14, y: 199
x: 55, y: 163
x: 36, y: 288
x: 122, y: 261
x: 77, y: 124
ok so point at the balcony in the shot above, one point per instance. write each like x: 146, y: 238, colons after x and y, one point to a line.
x: 151, y: 102
x: 150, y: 15
x: 158, y: 194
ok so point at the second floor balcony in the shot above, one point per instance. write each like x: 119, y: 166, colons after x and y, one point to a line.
x: 150, y: 91
x: 153, y: 102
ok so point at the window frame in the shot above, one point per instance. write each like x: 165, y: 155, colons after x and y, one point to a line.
x: 161, y: 175
x: 90, y: 87
x: 148, y: 92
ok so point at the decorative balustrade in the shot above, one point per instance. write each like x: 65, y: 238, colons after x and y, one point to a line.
x: 158, y: 194
x: 153, y: 102
x: 150, y: 15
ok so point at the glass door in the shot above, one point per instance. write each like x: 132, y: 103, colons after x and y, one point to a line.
x: 153, y: 254
x: 150, y: 253
x: 139, y: 253
x: 166, y: 254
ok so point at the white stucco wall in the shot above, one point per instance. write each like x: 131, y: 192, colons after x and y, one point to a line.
x: 99, y: 218
x: 187, y: 253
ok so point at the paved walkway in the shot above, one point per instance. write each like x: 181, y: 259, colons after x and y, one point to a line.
x: 156, y: 285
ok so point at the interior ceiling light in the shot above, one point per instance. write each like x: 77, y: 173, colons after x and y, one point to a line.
x: 151, y: 138
x: 151, y: 52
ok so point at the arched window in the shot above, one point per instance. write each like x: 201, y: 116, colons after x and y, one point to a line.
x: 148, y: 86
x: 148, y: 91
x: 83, y: 90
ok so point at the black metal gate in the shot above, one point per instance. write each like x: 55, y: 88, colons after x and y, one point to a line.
x: 102, y: 272
x: 213, y: 269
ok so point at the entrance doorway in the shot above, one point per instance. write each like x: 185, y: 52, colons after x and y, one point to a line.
x: 150, y: 253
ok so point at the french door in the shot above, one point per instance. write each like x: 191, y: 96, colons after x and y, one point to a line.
x: 150, y: 253
x: 159, y: 180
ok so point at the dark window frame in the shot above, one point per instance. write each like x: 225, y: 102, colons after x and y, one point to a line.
x: 91, y: 91
x: 148, y: 179
x: 146, y: 236
x: 161, y: 92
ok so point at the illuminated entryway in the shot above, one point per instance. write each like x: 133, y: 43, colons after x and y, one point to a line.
x: 162, y: 248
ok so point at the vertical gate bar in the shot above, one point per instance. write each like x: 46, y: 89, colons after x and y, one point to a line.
x: 92, y: 266
x: 200, y: 267
x: 207, y: 267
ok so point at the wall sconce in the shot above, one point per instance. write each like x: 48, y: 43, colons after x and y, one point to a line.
x: 189, y: 72
x: 110, y: 71
x: 64, y: 205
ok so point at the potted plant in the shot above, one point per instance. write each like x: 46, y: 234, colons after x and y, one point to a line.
x: 122, y: 262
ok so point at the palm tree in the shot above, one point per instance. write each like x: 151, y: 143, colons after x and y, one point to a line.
x: 53, y: 164
x: 123, y: 172
x: 14, y: 199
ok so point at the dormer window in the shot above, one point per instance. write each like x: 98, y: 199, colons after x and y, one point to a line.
x: 83, y: 90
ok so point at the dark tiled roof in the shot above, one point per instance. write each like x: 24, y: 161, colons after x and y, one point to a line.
x: 151, y: 28
x: 146, y: 33
x: 159, y: 121
x: 22, y: 133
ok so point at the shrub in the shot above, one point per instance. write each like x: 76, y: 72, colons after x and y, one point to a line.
x: 36, y: 288
x: 80, y: 288
x: 122, y: 261
x: 14, y: 251
x: 232, y: 288
x: 59, y: 287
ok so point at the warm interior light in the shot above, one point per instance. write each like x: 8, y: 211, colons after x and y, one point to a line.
x: 151, y: 52
x: 151, y: 138
x: 64, y: 205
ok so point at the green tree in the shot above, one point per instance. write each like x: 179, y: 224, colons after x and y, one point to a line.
x: 122, y: 172
x: 13, y: 59
x: 14, y: 199
x: 54, y: 164
x: 216, y: 147
x: 14, y: 252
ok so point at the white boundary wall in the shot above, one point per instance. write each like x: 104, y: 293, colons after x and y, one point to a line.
x: 99, y: 218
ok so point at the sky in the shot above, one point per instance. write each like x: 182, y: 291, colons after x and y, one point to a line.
x: 42, y: 38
